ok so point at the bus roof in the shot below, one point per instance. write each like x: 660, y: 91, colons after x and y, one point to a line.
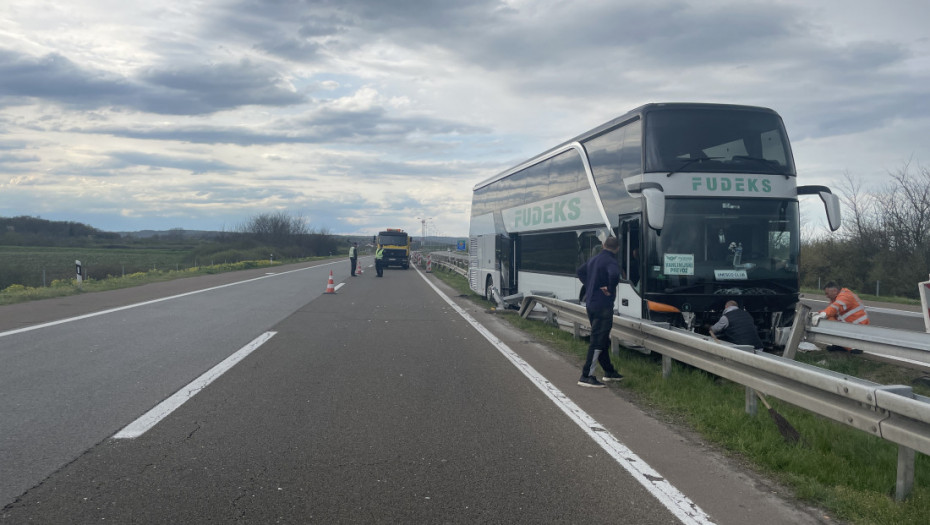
x: 629, y: 115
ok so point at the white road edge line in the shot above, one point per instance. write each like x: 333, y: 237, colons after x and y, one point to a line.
x: 676, y: 502
x: 153, y: 301
x: 169, y: 405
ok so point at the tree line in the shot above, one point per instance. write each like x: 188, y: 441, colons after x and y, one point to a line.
x: 275, y: 235
x: 35, y: 231
x: 884, y: 243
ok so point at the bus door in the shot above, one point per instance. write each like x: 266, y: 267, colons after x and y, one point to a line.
x: 629, y: 297
x: 505, y: 254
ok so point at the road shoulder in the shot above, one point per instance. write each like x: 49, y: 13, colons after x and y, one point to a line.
x: 718, y: 482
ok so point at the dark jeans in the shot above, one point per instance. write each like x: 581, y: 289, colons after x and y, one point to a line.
x: 599, y: 348
x: 352, y: 260
x: 379, y: 267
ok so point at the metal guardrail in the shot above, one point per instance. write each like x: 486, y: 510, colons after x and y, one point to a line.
x: 902, y: 345
x: 890, y: 412
x: 458, y: 265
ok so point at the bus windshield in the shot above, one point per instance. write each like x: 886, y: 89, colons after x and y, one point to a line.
x: 725, y: 246
x: 716, y: 140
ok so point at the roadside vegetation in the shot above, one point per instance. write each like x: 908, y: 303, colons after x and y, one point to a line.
x: 849, y: 474
x: 884, y: 244
x: 18, y: 293
x: 37, y: 257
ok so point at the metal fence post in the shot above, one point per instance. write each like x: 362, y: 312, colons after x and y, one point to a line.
x: 752, y: 403
x: 666, y: 366
x: 905, y: 482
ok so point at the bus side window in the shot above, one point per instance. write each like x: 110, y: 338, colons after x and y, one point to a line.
x: 588, y: 246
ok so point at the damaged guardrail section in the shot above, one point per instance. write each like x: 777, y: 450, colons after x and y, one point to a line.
x: 893, y: 413
x: 455, y: 264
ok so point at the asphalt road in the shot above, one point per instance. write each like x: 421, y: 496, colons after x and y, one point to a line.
x: 378, y: 404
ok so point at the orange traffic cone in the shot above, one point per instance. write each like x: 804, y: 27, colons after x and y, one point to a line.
x: 359, y: 266
x: 330, y: 286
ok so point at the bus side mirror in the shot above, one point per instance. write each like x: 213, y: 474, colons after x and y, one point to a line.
x: 655, y: 208
x: 830, y: 201
x: 654, y: 197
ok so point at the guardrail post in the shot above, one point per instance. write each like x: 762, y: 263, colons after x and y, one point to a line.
x: 614, y: 347
x: 752, y: 402
x: 666, y: 366
x: 905, y: 482
x: 924, y: 291
x: 576, y: 331
x: 801, y: 314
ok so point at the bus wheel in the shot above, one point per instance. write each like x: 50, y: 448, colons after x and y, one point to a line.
x: 488, y: 289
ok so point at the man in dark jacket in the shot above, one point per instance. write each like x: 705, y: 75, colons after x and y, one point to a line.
x: 600, y: 275
x: 737, y: 327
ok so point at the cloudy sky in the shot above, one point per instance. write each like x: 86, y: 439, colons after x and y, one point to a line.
x: 363, y: 114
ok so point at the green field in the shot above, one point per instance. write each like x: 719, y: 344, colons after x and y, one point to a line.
x: 39, y: 266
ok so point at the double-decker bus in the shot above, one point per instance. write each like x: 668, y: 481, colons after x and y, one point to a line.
x: 704, y: 201
x: 396, y: 245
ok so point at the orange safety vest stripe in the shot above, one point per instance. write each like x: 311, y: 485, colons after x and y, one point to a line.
x: 846, y: 308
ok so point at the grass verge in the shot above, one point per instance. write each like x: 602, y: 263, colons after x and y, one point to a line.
x: 18, y: 293
x: 848, y: 473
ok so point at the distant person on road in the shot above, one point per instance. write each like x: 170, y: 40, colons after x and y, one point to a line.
x: 600, y: 275
x: 844, y: 306
x: 737, y: 326
x: 379, y: 255
x: 353, y: 256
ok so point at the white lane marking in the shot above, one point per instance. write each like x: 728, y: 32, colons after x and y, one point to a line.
x: 338, y: 286
x: 676, y: 502
x: 169, y: 405
x: 892, y: 311
x: 153, y: 301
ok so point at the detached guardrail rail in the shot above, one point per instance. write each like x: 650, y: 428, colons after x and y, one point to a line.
x: 891, y: 412
x: 888, y: 342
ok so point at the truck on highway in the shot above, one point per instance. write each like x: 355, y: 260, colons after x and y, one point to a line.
x: 396, y: 245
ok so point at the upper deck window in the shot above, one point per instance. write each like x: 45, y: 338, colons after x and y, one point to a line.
x: 716, y: 140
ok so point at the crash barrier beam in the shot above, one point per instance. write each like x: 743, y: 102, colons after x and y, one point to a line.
x: 458, y: 265
x: 888, y: 342
x: 892, y: 413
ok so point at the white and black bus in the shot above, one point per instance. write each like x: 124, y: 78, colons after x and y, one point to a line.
x: 703, y: 198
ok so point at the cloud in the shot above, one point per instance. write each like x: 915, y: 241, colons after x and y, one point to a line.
x: 338, y: 108
x: 193, y: 89
x: 363, y: 119
x: 124, y: 159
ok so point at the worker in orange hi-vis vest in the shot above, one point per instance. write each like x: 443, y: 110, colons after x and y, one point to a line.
x: 844, y: 306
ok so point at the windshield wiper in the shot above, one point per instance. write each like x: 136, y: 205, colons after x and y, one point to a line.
x: 773, y: 165
x: 679, y: 289
x: 689, y: 162
x: 754, y: 283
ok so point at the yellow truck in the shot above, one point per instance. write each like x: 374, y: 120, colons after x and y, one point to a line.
x: 396, y: 245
